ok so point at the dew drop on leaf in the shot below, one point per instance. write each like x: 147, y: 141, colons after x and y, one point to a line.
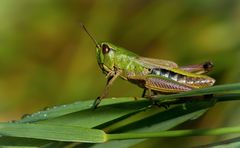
x: 25, y: 116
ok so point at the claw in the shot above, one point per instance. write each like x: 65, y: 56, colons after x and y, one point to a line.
x: 96, y: 103
x: 158, y: 104
x: 165, y: 106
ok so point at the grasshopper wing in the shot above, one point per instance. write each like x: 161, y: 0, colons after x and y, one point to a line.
x: 156, y: 63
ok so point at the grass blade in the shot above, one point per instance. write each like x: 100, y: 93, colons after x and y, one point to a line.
x: 229, y: 143
x: 23, y: 142
x: 116, y: 115
x: 57, y: 111
x: 156, y: 118
x: 52, y: 132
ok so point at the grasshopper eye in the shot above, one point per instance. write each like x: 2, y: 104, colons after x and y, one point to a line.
x: 105, y: 49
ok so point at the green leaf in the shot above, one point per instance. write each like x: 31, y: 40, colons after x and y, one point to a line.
x: 52, y: 132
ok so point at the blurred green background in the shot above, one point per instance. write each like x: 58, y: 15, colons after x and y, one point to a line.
x: 47, y: 59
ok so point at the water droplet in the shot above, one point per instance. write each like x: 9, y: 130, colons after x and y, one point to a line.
x: 45, y: 108
x: 44, y: 115
x: 184, y: 107
x: 197, y: 116
x: 25, y: 116
x: 12, y: 121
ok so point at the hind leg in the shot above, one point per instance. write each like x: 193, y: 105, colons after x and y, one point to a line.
x: 198, y: 68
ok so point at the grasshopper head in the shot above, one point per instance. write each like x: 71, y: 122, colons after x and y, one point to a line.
x: 105, y: 56
x: 106, y: 53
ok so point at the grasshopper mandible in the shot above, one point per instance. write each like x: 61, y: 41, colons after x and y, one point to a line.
x: 153, y: 75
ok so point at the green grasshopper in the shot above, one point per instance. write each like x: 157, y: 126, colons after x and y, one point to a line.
x: 153, y: 75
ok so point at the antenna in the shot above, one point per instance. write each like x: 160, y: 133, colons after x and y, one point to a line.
x: 92, y: 38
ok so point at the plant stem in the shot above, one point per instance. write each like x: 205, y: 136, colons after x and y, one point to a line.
x: 176, y: 133
x: 219, y: 98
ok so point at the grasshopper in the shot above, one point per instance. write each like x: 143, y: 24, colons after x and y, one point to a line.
x: 153, y: 75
